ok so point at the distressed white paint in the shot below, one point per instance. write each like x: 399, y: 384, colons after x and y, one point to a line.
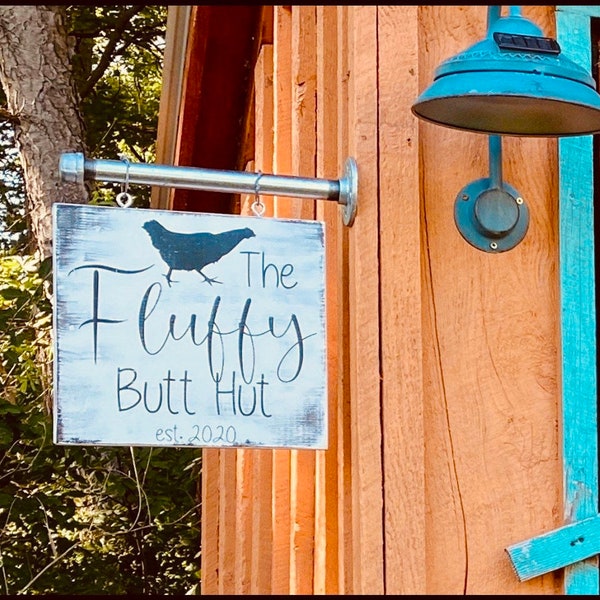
x: 110, y: 394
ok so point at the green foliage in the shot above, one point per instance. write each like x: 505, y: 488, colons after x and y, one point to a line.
x: 76, y: 519
x: 80, y: 520
x: 118, y: 72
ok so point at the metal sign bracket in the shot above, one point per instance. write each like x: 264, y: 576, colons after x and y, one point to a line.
x: 74, y: 167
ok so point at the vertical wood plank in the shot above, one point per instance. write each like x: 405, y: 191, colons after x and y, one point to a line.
x: 364, y: 306
x: 578, y: 315
x: 282, y: 93
x: 326, y: 468
x: 262, y: 534
x: 302, y: 462
x: 345, y: 520
x: 243, y: 521
x: 282, y: 163
x: 227, y: 521
x: 209, y: 531
x: 176, y: 37
x: 263, y: 130
x: 400, y: 266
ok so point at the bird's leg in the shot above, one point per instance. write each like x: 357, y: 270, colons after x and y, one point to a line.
x: 168, y: 276
x: 208, y: 279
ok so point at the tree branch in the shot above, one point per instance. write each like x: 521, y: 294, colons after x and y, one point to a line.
x: 50, y: 564
x: 109, y: 51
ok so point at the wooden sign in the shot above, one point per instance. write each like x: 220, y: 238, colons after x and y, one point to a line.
x: 188, y: 329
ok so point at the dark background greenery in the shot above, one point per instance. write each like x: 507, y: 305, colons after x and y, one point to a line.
x: 76, y: 519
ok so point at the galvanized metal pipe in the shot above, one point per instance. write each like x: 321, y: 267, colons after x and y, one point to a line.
x: 74, y: 167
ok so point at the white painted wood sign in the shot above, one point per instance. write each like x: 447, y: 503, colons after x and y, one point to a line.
x: 188, y: 329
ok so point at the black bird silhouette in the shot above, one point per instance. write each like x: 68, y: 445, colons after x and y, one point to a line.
x: 193, y: 251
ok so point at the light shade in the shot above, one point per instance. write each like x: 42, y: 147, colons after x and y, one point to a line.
x: 513, y: 82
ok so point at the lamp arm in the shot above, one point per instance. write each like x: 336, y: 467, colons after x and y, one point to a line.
x: 495, y: 154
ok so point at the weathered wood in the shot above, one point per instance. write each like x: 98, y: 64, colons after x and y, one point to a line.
x: 400, y: 268
x: 578, y: 314
x: 365, y: 330
x: 326, y: 468
x: 562, y: 547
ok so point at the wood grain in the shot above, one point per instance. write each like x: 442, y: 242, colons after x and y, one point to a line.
x: 490, y: 351
x: 400, y: 272
x: 364, y: 306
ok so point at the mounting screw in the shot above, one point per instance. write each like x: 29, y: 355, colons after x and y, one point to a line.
x: 493, y: 245
x: 465, y: 196
x: 519, y: 200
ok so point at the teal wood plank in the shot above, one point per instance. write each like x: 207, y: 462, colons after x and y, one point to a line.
x: 578, y: 316
x: 583, y: 10
x: 557, y: 549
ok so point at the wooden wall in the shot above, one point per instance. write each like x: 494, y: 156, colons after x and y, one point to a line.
x: 443, y: 360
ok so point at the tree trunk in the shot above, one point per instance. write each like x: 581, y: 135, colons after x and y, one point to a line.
x: 35, y: 72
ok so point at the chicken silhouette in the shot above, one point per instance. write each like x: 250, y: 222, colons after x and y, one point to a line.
x: 193, y: 251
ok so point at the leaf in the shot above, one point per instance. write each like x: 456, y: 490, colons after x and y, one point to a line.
x: 6, y: 435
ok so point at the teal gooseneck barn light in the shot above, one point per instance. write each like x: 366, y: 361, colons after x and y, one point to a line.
x: 513, y: 82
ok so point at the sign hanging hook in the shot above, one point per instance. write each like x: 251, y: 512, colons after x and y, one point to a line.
x: 258, y: 208
x: 124, y: 199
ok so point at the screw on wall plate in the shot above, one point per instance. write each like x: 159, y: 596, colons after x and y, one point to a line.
x: 465, y: 196
x: 519, y: 200
x: 493, y: 245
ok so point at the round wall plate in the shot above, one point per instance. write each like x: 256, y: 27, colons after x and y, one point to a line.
x: 490, y: 218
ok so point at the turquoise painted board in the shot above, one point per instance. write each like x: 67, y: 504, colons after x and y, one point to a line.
x: 578, y: 315
x: 559, y: 548
x: 188, y: 329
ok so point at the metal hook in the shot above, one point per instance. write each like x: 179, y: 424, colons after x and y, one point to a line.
x: 125, y: 199
x: 258, y: 208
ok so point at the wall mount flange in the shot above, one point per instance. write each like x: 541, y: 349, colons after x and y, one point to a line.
x: 349, y: 191
x: 491, y: 218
